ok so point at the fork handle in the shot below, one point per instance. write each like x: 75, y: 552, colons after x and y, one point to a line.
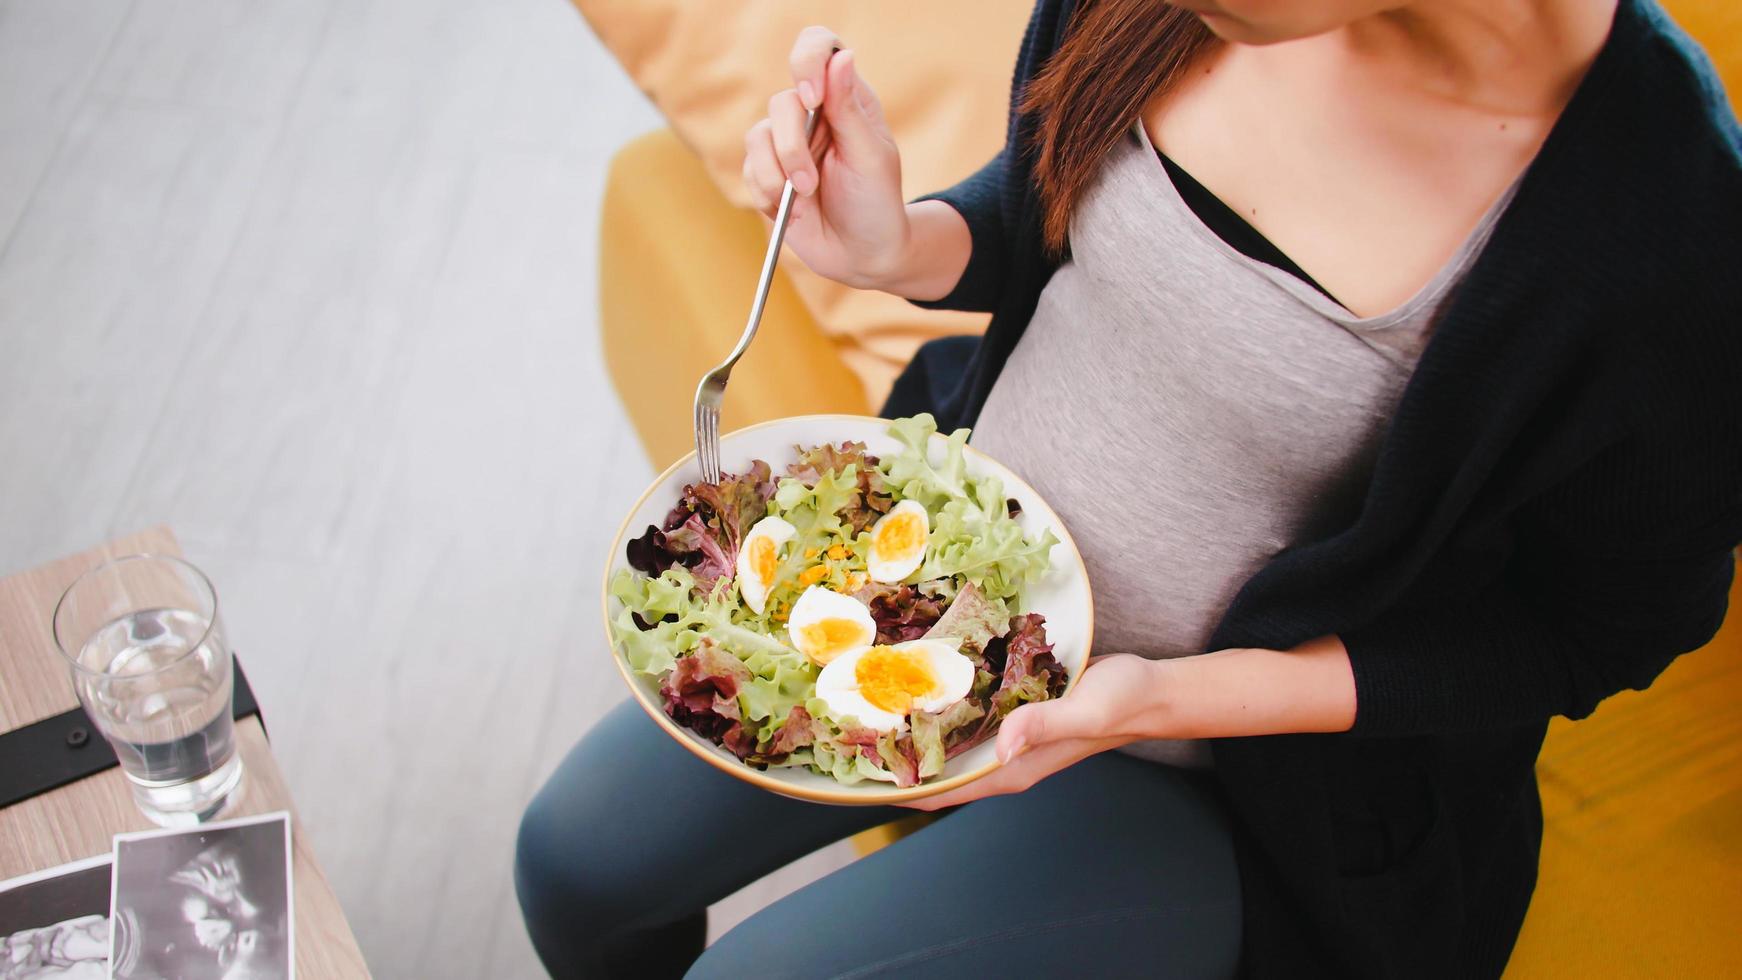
x: 707, y: 412
x: 769, y: 260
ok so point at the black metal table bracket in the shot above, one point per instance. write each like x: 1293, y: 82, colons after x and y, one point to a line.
x: 66, y: 748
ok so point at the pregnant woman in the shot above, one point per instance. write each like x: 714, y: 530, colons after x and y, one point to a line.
x: 1383, y: 358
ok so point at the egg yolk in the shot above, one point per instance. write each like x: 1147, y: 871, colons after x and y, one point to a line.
x: 891, y: 679
x: 763, y: 559
x: 900, y: 535
x: 826, y: 639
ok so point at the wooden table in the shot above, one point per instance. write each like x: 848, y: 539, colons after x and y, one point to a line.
x: 77, y: 820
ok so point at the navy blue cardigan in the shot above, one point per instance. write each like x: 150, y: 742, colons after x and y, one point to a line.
x: 1550, y: 518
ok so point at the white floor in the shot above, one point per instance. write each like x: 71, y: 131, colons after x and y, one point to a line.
x: 312, y: 281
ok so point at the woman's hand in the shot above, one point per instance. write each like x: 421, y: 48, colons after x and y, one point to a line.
x: 1123, y: 698
x: 1037, y: 740
x: 848, y: 220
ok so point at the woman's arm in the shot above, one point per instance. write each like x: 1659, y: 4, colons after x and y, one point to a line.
x: 1620, y: 569
x: 977, y: 204
x: 1232, y: 693
x: 1226, y: 694
x: 1615, y: 572
x: 933, y: 257
x: 1124, y: 698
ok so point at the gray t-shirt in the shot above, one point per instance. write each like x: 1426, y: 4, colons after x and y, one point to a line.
x: 1190, y: 411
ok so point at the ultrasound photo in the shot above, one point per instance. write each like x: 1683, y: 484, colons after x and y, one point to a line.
x: 208, y: 903
x: 54, y: 924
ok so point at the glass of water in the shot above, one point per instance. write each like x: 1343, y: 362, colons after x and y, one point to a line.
x: 154, y: 672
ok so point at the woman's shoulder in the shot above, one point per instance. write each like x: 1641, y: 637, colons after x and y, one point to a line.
x: 1687, y: 80
x: 1663, y: 92
x: 1652, y: 163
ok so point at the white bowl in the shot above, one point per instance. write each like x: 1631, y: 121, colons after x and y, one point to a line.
x: 1061, y: 595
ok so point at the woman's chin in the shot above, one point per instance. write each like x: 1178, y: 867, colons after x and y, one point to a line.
x: 1237, y: 30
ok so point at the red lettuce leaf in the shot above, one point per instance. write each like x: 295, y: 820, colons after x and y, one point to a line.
x: 651, y: 553
x: 704, y: 531
x: 972, y: 621
x: 901, y: 613
x: 700, y: 551
x: 730, y: 508
x: 796, y: 733
x: 1026, y: 671
x: 898, y: 757
x: 939, y: 736
x: 701, y: 694
x: 799, y: 731
x: 862, y: 737
x: 1028, y: 654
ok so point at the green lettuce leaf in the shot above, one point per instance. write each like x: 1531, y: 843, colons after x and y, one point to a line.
x: 651, y: 652
x: 666, y: 608
x: 678, y: 619
x: 911, y: 471
x: 777, y: 688
x: 871, y: 501
x: 991, y: 551
x: 973, y: 534
x: 846, y: 763
x: 814, y: 512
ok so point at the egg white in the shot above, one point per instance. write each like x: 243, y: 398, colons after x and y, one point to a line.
x: 751, y: 587
x: 838, y: 684
x: 818, y: 604
x: 954, y: 671
x: 893, y: 568
x: 844, y: 704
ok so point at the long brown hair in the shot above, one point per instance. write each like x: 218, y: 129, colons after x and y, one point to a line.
x: 1117, y: 55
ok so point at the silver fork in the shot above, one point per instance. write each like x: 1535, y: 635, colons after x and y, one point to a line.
x: 713, y: 385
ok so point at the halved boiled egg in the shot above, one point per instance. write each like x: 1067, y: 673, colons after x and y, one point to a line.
x: 759, y: 560
x: 881, y: 685
x: 898, y: 541
x: 825, y: 624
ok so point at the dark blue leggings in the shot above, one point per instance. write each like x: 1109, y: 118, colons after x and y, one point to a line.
x: 1112, y: 868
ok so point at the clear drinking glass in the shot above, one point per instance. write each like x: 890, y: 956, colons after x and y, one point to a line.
x: 153, y: 670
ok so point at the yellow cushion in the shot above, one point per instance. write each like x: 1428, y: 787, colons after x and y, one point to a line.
x: 677, y: 269
x: 710, y: 67
x: 1641, y: 869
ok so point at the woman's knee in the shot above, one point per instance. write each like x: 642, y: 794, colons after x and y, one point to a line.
x: 569, y: 863
x: 585, y: 843
x: 587, y: 911
x: 543, y: 851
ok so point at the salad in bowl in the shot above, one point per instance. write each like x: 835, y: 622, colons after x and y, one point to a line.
x: 850, y: 613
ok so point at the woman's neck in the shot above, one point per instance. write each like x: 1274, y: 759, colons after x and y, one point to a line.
x: 1510, y: 57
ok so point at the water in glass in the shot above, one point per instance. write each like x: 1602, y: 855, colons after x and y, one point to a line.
x: 166, y: 710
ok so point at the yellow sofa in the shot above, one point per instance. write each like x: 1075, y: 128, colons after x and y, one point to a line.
x: 1641, y: 871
